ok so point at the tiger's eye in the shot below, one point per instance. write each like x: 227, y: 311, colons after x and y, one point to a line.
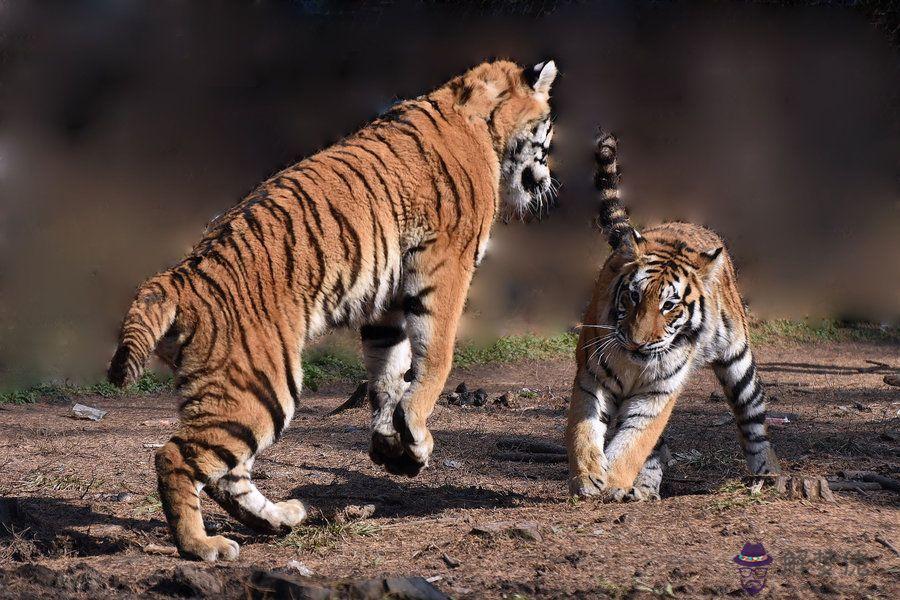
x: 668, y: 305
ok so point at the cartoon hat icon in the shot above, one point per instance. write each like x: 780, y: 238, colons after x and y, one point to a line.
x: 753, y: 555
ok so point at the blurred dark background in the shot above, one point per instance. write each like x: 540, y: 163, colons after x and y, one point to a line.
x: 126, y: 125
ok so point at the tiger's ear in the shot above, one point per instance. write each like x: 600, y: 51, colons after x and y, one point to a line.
x: 632, y: 245
x: 711, y: 262
x: 540, y: 77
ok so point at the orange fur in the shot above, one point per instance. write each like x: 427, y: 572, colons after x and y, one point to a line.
x: 384, y: 230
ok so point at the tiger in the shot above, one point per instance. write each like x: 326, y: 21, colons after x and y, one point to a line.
x: 664, y: 303
x: 381, y: 231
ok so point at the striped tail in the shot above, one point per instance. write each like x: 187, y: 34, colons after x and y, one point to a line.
x: 613, y: 218
x: 150, y: 316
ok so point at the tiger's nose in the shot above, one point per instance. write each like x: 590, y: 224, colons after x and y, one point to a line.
x: 528, y: 180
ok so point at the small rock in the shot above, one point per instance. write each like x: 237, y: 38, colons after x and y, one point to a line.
x: 893, y: 380
x: 597, y: 531
x: 453, y: 464
x: 525, y: 530
x: 295, y: 566
x: 862, y: 407
x: 454, y: 399
x: 504, y: 400
x: 89, y: 413
x: 123, y: 497
x: 148, y: 445
x: 479, y: 397
x: 620, y: 519
x: 355, y: 513
x: 461, y: 389
x: 410, y: 588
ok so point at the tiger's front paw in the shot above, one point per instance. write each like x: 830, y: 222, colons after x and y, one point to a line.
x: 764, y: 463
x: 635, y: 494
x: 588, y: 485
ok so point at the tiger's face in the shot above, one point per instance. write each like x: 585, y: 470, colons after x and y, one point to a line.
x: 651, y: 310
x: 526, y: 186
x: 658, y: 302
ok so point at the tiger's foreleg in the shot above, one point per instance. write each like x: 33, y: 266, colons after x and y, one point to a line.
x: 387, y: 356
x: 642, y: 420
x: 736, y: 371
x: 434, y: 290
x: 590, y: 410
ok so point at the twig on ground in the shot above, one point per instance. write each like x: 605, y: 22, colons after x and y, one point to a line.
x: 884, y: 542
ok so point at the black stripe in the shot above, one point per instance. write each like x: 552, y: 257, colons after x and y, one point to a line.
x: 724, y: 364
x: 234, y: 429
x: 743, y: 382
x: 382, y: 336
x: 413, y: 305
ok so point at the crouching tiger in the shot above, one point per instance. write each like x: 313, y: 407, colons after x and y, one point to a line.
x: 383, y: 230
x: 665, y: 301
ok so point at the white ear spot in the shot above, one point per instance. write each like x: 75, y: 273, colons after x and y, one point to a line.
x: 713, y: 254
x: 546, y: 74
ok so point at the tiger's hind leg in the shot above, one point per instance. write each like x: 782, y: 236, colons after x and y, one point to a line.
x: 736, y: 371
x: 213, y: 450
x: 649, y: 479
x: 236, y: 493
x: 183, y: 467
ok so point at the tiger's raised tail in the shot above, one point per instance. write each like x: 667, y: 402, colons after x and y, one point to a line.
x: 613, y: 218
x: 150, y: 316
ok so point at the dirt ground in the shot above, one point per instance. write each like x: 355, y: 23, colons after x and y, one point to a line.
x: 85, y: 506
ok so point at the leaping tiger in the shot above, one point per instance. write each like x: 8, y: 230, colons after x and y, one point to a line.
x: 665, y: 301
x: 383, y: 230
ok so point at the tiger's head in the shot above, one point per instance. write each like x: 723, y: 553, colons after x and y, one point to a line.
x: 514, y: 104
x: 659, y: 297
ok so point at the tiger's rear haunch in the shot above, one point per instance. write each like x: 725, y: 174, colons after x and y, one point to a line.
x: 665, y: 301
x: 384, y: 231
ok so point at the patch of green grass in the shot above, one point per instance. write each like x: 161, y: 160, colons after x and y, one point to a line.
x: 516, y: 347
x: 328, y: 367
x: 149, y: 383
x: 825, y: 330
x: 148, y: 506
x: 322, y: 538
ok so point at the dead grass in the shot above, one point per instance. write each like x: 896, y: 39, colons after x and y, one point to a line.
x: 325, y: 537
x: 734, y: 493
